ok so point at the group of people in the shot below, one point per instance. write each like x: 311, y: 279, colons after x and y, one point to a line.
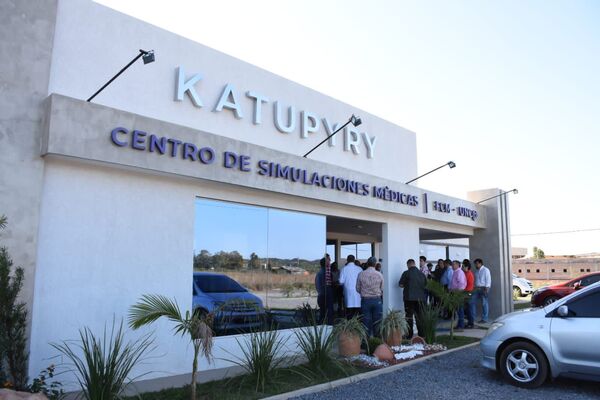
x: 361, y: 289
x: 357, y: 289
x: 454, y: 276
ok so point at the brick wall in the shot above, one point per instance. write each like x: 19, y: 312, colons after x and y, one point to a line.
x: 555, y: 269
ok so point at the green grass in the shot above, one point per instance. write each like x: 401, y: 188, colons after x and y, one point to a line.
x: 522, y: 306
x: 457, y: 341
x: 237, y: 388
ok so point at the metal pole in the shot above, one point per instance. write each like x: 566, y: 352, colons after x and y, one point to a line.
x: 433, y: 170
x: 142, y: 52
x: 328, y: 137
x: 498, y: 195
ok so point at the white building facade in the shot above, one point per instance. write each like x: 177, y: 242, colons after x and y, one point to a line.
x: 102, y: 197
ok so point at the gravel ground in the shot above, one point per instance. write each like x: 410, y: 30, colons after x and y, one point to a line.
x: 454, y: 376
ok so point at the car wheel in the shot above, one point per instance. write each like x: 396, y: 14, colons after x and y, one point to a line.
x: 524, y: 364
x: 549, y: 300
x: 517, y: 292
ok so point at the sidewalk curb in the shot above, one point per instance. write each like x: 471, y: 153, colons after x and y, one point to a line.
x: 365, y: 375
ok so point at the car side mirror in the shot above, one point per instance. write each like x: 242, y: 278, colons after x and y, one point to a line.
x: 562, y: 311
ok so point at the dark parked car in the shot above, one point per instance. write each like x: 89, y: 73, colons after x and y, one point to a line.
x: 235, y: 308
x: 549, y: 294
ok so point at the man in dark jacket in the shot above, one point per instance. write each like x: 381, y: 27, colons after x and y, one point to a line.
x: 413, y: 282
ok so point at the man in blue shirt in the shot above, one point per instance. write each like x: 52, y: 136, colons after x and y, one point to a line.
x: 447, y: 274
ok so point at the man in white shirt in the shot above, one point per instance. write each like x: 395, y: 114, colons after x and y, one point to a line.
x: 348, y: 277
x: 483, y: 283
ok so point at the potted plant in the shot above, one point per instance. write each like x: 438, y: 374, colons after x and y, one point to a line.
x: 350, y: 333
x: 392, y: 327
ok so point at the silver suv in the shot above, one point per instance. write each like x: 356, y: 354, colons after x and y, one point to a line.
x: 521, y: 287
x: 562, y: 338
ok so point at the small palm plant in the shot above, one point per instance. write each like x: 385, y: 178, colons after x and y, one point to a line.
x: 317, y: 342
x: 197, y: 325
x: 261, y: 356
x: 102, y: 365
x: 429, y: 316
x: 450, y: 300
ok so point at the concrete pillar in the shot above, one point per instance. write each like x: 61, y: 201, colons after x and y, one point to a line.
x: 400, y: 242
x: 27, y: 32
x: 492, y: 245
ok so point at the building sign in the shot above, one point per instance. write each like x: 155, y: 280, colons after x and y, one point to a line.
x: 175, y: 148
x: 461, y: 211
x: 287, y: 119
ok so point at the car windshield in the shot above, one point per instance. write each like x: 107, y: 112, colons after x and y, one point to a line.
x: 217, y: 284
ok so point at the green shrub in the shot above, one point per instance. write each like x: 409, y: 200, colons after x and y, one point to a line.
x: 288, y: 290
x: 395, y: 320
x: 13, y: 322
x: 261, y: 356
x: 372, y: 344
x: 52, y: 390
x: 450, y: 300
x: 317, y: 345
x: 102, y: 364
x: 352, y: 326
x: 430, y: 315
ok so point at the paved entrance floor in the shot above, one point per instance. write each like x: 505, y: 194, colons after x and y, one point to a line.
x: 457, y: 375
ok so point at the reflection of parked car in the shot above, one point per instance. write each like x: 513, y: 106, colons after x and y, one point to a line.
x: 521, y: 286
x: 234, y: 307
x: 560, y: 339
x: 549, y: 294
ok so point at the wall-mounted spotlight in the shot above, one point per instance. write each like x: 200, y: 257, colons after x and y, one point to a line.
x: 515, y: 191
x: 451, y: 164
x: 147, y: 57
x: 354, y: 120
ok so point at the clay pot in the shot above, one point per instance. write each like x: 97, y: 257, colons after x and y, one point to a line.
x: 394, y: 338
x: 384, y: 353
x: 6, y: 394
x: 348, y: 345
x: 418, y: 340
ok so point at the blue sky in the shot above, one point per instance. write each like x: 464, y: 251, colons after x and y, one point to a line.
x: 509, y: 90
x: 222, y: 226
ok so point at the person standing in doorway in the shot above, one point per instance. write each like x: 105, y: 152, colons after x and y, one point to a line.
x: 445, y: 281
x: 348, y: 278
x: 466, y: 267
x: 338, y: 292
x: 324, y: 285
x: 370, y: 287
x: 458, y: 284
x: 447, y: 274
x: 483, y: 283
x: 439, y: 271
x: 423, y: 266
x: 413, y: 283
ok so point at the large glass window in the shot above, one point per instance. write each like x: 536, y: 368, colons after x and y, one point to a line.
x: 264, y: 259
x: 362, y: 251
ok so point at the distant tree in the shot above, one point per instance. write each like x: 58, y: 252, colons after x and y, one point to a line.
x: 254, y: 262
x: 235, y: 260
x: 538, y: 253
x: 203, y: 260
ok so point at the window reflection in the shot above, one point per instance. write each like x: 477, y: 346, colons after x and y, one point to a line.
x: 271, y: 255
x: 362, y: 251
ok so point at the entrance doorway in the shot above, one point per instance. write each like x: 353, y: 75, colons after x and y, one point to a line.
x: 346, y: 236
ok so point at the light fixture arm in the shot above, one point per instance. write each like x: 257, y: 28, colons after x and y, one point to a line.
x: 515, y: 191
x: 451, y: 164
x: 353, y: 119
x: 142, y: 53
